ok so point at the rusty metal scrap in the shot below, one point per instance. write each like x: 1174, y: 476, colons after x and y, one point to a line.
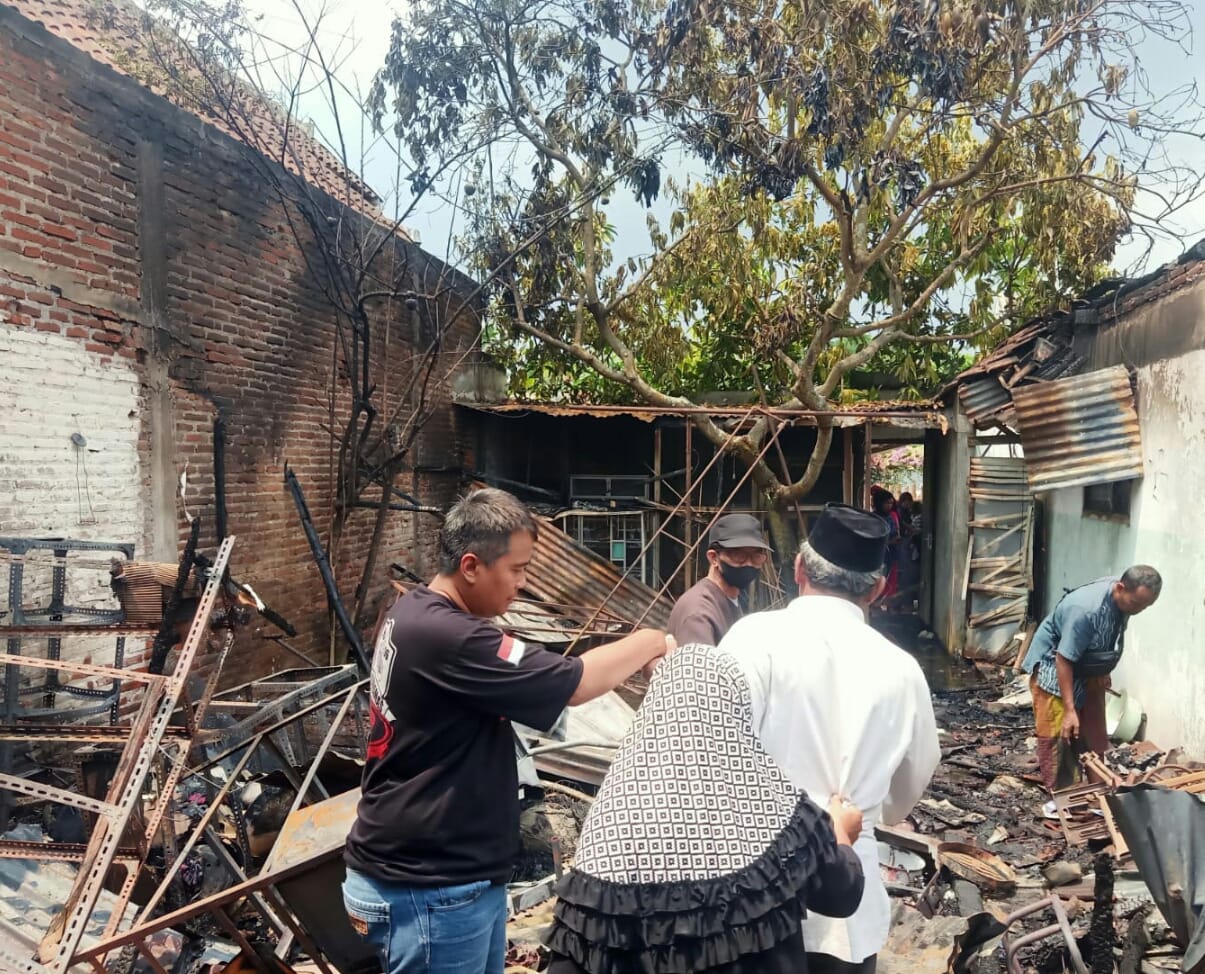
x: 1086, y: 813
x: 158, y: 704
x: 56, y: 851
x: 1079, y: 813
x: 1060, y: 927
x: 977, y: 866
x: 131, y: 803
x: 1192, y: 782
x: 290, y: 857
x: 1095, y: 765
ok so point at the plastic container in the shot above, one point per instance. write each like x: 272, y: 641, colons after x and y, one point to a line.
x: 1123, y: 717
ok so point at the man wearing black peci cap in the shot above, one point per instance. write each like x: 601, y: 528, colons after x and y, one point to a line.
x: 842, y: 710
x: 736, y: 552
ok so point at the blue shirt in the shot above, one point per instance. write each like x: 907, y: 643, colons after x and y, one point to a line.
x: 1087, y: 629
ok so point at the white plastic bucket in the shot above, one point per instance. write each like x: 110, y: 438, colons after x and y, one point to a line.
x: 1123, y: 717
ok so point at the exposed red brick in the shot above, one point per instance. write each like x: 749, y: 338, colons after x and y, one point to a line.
x: 251, y: 331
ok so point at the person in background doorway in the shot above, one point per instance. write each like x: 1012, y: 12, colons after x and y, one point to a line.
x: 436, y: 834
x: 883, y: 503
x: 1069, y: 661
x: 907, y: 552
x: 736, y: 552
x: 841, y: 710
x: 918, y: 529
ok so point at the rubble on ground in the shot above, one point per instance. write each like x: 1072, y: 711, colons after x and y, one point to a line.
x: 230, y: 810
x: 1080, y: 901
x: 232, y: 806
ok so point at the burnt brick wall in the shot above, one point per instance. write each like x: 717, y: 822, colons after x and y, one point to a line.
x: 132, y: 233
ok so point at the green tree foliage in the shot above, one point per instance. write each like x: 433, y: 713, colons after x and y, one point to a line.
x: 888, y: 184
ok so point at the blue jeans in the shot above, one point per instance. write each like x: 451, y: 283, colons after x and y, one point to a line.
x: 430, y: 930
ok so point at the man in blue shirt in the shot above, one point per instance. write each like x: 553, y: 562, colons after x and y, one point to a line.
x: 1069, y: 661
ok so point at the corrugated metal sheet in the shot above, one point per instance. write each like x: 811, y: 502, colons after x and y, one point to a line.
x: 32, y: 894
x: 566, y: 574
x: 1079, y: 431
x: 983, y: 398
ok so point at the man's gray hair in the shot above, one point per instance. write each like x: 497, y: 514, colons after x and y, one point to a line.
x: 823, y: 574
x: 482, y: 524
x: 1142, y: 576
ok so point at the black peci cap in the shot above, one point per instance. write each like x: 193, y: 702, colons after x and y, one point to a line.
x: 850, y: 538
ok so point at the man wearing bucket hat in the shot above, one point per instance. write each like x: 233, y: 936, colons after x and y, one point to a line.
x: 842, y: 710
x: 736, y: 552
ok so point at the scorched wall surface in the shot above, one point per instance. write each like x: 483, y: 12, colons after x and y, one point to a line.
x: 149, y: 282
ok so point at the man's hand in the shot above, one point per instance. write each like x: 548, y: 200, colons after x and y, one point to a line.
x: 1070, y: 724
x: 667, y: 645
x: 847, y: 820
x: 606, y: 667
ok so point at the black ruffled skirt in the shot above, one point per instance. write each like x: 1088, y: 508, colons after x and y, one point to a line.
x: 747, y: 922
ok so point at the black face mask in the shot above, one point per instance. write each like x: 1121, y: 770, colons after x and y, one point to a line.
x: 738, y: 576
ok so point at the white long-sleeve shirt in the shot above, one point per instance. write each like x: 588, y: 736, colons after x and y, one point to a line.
x: 843, y: 711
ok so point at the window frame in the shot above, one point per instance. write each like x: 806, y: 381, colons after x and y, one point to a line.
x: 1118, y: 506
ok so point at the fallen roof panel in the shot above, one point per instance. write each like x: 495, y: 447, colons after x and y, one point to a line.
x: 562, y: 571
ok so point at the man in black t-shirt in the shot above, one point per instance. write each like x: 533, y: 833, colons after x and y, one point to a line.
x: 437, y: 828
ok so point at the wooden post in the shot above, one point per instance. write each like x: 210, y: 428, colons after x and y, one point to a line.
x: 866, y: 469
x: 656, y: 552
x: 847, y: 466
x: 688, y: 531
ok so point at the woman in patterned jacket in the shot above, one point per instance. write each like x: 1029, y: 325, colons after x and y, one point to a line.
x: 698, y: 853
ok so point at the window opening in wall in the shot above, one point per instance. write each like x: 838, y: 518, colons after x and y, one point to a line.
x: 618, y: 537
x: 1109, y: 500
x: 609, y: 489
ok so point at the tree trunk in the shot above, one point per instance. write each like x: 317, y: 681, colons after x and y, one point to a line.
x: 784, y: 537
x: 360, y: 614
x: 784, y: 531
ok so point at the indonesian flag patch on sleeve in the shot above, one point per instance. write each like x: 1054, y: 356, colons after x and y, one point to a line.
x: 512, y: 650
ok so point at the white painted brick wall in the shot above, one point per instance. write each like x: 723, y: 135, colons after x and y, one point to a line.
x: 51, y: 387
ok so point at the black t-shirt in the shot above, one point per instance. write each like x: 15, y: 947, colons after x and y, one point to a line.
x: 440, y: 793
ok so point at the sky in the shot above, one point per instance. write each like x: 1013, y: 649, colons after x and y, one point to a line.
x: 355, y: 38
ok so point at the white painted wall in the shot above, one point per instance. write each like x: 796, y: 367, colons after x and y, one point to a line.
x: 1164, y: 662
x: 51, y: 387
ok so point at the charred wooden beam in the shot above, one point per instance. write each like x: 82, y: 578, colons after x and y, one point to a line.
x: 333, y: 600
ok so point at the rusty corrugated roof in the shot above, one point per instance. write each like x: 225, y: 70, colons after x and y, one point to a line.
x: 1079, y: 431
x: 983, y: 397
x: 849, y: 414
x: 565, y: 573
x: 115, y: 33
